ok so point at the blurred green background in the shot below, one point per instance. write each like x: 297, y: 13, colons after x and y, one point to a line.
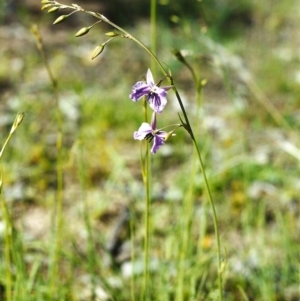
x: 248, y: 54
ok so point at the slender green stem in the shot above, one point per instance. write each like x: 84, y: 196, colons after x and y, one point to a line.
x: 190, y: 130
x: 59, y: 170
x: 147, y: 227
x: 148, y: 161
x: 211, y: 202
x: 146, y: 179
x: 215, y: 221
x: 7, y: 253
x: 132, y: 255
x: 8, y: 239
x: 90, y: 241
x: 187, y: 218
x: 153, y: 33
x: 189, y: 200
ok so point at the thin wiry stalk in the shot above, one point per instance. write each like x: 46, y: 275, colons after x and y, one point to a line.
x: 153, y: 8
x: 7, y: 249
x: 189, y: 200
x: 211, y: 202
x: 146, y: 179
x: 147, y: 226
x: 90, y: 241
x: 53, y: 272
x: 215, y: 220
x: 132, y: 255
x: 8, y: 239
x: 147, y: 168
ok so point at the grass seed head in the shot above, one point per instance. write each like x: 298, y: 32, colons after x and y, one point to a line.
x: 53, y: 9
x: 111, y: 34
x: 83, y: 31
x: 98, y: 50
x: 46, y: 6
x: 60, y: 19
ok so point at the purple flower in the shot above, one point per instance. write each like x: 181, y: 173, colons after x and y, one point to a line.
x: 156, y: 96
x: 149, y: 132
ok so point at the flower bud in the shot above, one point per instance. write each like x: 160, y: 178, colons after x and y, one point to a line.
x: 60, y: 19
x: 178, y: 55
x: 111, y: 34
x: 46, y: 6
x: 53, y: 9
x: 17, y: 122
x: 98, y: 50
x: 83, y: 31
x: 170, y: 134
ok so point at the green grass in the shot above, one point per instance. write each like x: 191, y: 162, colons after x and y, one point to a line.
x: 254, y: 179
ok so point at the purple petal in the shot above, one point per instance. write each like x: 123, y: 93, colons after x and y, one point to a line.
x: 161, y: 134
x: 138, y: 90
x: 150, y: 79
x: 157, y: 100
x: 158, y: 141
x: 142, y: 132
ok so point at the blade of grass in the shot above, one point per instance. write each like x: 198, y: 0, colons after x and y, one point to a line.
x: 92, y: 262
x: 8, y: 234
x: 57, y: 212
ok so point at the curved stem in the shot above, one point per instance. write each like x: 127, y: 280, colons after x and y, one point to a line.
x: 215, y: 220
x: 186, y: 125
x: 190, y: 131
x: 8, y: 232
x: 142, y: 45
x: 153, y: 33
